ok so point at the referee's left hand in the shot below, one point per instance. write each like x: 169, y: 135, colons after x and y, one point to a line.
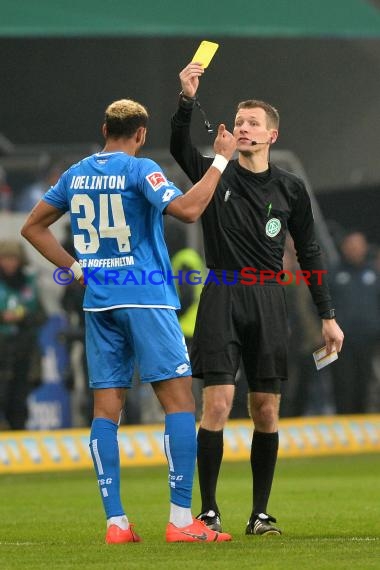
x: 332, y: 335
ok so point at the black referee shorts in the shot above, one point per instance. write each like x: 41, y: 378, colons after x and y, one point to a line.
x: 237, y: 322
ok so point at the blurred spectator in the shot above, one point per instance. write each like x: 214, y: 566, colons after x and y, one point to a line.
x: 189, y: 288
x: 5, y: 192
x: 308, y: 391
x: 30, y: 195
x: 73, y: 337
x: 76, y: 375
x: 20, y: 316
x: 355, y: 286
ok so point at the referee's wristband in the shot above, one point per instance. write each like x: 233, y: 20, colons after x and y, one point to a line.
x: 187, y: 97
x: 186, y: 101
x: 77, y: 270
x: 330, y: 314
x: 220, y: 162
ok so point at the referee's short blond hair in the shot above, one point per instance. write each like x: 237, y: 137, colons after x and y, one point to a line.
x: 123, y: 118
x: 272, y: 115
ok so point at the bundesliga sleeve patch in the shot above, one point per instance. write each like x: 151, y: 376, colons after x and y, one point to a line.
x: 156, y: 180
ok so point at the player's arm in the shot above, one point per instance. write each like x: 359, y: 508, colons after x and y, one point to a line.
x: 190, y: 206
x: 36, y: 230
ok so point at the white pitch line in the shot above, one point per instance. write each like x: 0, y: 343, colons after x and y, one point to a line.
x: 23, y: 543
x: 336, y: 539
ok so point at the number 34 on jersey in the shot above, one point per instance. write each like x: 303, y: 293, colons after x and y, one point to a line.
x: 111, y: 211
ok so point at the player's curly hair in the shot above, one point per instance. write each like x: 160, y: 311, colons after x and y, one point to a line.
x: 123, y: 118
x: 273, y: 116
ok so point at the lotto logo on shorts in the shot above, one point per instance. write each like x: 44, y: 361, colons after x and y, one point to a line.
x: 156, y: 180
x: 182, y: 368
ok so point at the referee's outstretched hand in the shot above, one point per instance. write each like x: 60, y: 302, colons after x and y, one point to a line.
x: 225, y: 142
x: 189, y: 78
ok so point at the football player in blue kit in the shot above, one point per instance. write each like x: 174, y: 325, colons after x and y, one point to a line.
x: 116, y: 203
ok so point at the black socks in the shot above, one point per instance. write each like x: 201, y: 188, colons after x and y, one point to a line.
x: 209, y: 455
x: 264, y: 452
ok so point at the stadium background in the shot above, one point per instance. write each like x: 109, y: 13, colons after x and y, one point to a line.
x: 63, y: 62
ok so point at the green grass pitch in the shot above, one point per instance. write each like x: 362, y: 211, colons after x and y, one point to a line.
x: 328, y: 508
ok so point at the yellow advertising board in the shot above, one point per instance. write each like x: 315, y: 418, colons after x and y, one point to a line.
x: 34, y: 451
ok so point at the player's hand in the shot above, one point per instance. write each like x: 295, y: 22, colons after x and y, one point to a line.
x: 189, y: 78
x: 332, y: 335
x: 225, y: 143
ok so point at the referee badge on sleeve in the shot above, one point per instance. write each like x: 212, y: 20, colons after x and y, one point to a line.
x: 273, y: 227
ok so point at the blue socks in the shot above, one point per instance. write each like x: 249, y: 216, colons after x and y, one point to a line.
x: 105, y: 454
x: 180, y: 448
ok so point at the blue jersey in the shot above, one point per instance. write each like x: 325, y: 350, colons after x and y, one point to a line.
x: 116, y: 203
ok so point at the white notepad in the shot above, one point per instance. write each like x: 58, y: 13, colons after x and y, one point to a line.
x: 322, y: 359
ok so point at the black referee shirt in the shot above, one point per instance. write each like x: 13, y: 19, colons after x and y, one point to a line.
x: 246, y: 221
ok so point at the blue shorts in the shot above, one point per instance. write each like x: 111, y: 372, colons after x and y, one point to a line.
x: 119, y: 339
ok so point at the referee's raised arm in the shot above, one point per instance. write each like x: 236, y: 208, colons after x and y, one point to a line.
x: 181, y: 147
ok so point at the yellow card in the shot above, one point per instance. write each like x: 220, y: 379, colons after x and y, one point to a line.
x: 205, y: 53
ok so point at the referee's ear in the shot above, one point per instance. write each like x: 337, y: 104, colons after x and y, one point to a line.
x: 273, y: 136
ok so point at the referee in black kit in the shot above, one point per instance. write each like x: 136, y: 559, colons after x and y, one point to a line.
x: 244, y: 226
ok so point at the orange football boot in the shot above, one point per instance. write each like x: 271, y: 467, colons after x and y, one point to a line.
x: 117, y: 535
x: 195, y: 532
